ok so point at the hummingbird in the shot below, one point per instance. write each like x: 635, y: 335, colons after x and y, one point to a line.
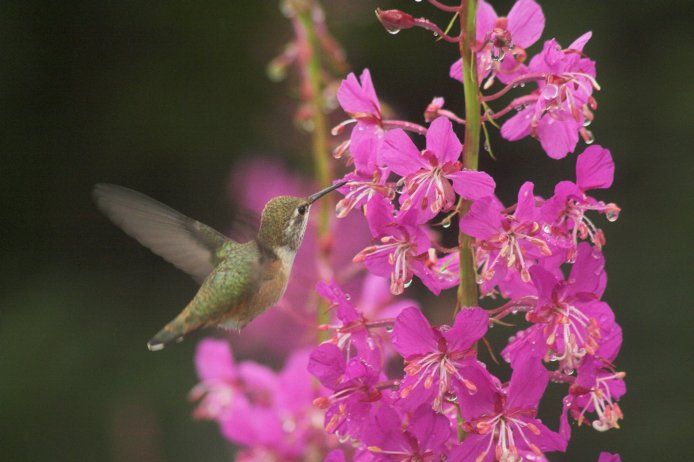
x: 238, y: 281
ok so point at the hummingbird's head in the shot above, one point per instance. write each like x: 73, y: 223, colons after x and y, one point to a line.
x: 284, y: 218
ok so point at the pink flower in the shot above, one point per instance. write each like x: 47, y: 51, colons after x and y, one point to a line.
x: 404, y: 249
x: 440, y: 362
x: 501, y: 41
x: 391, y: 438
x: 566, y: 210
x: 506, y: 245
x: 607, y: 457
x: 568, y: 313
x: 360, y: 188
x: 563, y: 102
x: 359, y: 100
x: 503, y: 425
x: 427, y: 175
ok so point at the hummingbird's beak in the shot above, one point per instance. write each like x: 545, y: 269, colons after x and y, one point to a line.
x: 314, y: 197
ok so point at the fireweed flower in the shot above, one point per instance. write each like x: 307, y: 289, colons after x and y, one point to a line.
x: 440, y: 362
x: 391, y: 437
x: 506, y: 245
x: 597, y: 388
x: 355, y: 386
x: 607, y: 457
x: 566, y: 211
x: 502, y: 425
x: 501, y: 41
x: 569, y: 317
x: 360, y: 188
x: 559, y: 109
x: 427, y: 175
x: 404, y: 249
x: 358, y: 99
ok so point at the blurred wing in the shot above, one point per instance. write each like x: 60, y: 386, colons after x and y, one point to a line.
x: 186, y: 243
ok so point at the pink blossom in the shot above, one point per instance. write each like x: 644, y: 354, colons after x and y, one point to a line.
x: 506, y: 245
x: 563, y: 101
x: 566, y: 210
x: 391, y: 437
x: 358, y: 99
x: 403, y: 251
x: 501, y: 41
x: 440, y: 362
x: 503, y: 425
x: 607, y: 457
x: 427, y: 175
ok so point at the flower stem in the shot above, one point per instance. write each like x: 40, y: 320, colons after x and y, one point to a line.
x: 467, y: 287
x: 323, y: 172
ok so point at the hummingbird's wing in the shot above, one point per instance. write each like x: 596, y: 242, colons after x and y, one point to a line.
x: 186, y: 243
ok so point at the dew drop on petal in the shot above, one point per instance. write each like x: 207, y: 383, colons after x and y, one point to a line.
x: 348, y: 297
x: 392, y: 31
x: 612, y: 215
x: 587, y: 122
x: 389, y: 328
x: 446, y: 224
x: 547, y: 228
x: 408, y: 283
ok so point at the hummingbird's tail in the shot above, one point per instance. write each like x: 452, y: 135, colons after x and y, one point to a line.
x: 174, y: 331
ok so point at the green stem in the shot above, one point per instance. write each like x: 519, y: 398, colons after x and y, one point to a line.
x: 467, y: 288
x: 320, y: 149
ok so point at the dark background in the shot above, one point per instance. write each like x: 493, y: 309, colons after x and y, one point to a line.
x: 167, y: 97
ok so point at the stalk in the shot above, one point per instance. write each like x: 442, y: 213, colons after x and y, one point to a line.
x: 467, y: 287
x: 320, y: 150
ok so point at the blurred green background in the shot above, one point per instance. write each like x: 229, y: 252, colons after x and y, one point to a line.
x: 167, y: 97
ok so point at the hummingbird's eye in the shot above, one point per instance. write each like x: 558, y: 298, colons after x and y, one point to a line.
x: 302, y: 209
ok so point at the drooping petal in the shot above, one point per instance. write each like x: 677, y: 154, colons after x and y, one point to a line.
x: 483, y: 220
x: 594, y: 168
x: 469, y: 326
x: 456, y: 70
x: 471, y: 184
x: 588, y: 273
x: 327, y: 364
x: 430, y: 428
x: 400, y: 154
x: 518, y: 126
x: 412, y: 334
x: 214, y: 361
x: 557, y: 137
x: 442, y: 141
x: 529, y: 378
x: 525, y: 22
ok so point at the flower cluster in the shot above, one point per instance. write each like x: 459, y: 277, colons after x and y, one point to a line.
x: 394, y: 387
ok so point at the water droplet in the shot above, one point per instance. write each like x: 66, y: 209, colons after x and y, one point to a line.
x: 486, y: 146
x: 547, y: 228
x: 408, y: 283
x: 389, y: 328
x: 568, y: 371
x: 522, y: 84
x: 612, y: 215
x: 446, y: 224
x: 417, y: 1
x: 348, y: 297
x: 392, y: 31
x: 587, y: 122
x: 588, y: 137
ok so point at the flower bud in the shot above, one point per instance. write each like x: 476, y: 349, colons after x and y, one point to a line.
x: 395, y: 20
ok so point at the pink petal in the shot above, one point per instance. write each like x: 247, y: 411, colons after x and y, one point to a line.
x: 580, y: 42
x: 214, y: 361
x: 547, y: 440
x: 608, y: 457
x: 557, y: 137
x: 441, y: 141
x: 327, y: 364
x: 485, y: 20
x: 431, y: 429
x: 588, y: 272
x: 456, y: 71
x: 470, y: 325
x: 518, y: 126
x: 525, y: 22
x: 379, y: 214
x: 400, y: 154
x: 364, y: 145
x: 471, y: 448
x: 412, y: 334
x: 472, y: 184
x: 483, y: 220
x: 529, y: 378
x: 355, y: 98
x: 525, y: 208
x: 545, y: 283
x: 594, y: 168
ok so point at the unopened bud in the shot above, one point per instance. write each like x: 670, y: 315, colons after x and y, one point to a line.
x: 395, y: 20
